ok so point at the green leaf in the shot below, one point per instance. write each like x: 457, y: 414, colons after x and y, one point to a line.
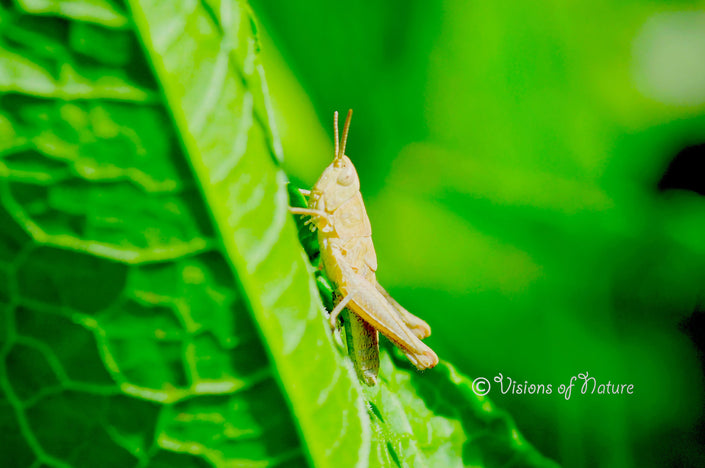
x: 154, y: 299
x: 435, y: 419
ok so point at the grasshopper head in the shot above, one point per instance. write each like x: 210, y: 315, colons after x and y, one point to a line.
x: 339, y: 182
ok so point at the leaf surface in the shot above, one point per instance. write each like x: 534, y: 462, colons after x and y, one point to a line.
x: 153, y: 295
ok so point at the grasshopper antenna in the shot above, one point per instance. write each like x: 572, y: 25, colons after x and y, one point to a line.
x: 346, y: 129
x: 337, y: 140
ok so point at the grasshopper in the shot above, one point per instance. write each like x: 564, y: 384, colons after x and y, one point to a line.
x: 349, y: 260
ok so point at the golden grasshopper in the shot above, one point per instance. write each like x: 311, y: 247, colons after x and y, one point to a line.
x: 350, y: 262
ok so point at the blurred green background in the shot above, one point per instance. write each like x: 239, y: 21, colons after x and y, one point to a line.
x: 513, y: 159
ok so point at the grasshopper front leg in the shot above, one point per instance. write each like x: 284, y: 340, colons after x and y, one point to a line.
x: 367, y: 302
x: 321, y: 216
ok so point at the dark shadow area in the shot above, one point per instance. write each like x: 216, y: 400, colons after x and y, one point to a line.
x: 684, y: 172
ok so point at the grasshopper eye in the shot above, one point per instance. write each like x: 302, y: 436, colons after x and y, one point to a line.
x: 346, y: 177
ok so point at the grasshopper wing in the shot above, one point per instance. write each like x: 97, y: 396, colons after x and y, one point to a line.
x: 417, y: 326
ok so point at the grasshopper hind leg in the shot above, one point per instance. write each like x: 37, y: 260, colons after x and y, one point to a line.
x: 375, y: 309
